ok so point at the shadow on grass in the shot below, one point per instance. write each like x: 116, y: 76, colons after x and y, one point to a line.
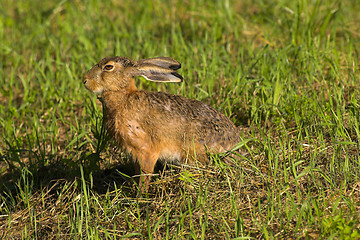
x: 35, y: 178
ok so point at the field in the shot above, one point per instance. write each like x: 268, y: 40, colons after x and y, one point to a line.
x: 286, y: 72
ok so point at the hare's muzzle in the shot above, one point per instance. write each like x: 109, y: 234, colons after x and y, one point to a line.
x: 86, y: 83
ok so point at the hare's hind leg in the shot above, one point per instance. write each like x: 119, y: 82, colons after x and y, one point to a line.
x: 144, y: 167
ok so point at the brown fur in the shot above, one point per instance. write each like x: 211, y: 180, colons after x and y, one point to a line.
x: 156, y: 125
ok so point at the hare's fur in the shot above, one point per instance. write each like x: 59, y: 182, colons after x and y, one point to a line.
x: 156, y: 125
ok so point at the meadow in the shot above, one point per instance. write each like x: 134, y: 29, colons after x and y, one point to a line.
x: 285, y: 72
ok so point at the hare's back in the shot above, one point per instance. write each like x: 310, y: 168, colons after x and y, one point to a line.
x: 202, y: 122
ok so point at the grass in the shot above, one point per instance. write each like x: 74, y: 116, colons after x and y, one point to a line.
x: 285, y: 72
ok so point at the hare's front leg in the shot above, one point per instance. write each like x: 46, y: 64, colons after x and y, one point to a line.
x: 144, y: 166
x: 139, y: 143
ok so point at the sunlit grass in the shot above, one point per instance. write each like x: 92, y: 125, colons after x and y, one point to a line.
x: 285, y: 72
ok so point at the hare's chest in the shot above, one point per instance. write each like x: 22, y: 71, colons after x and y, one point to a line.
x: 130, y: 135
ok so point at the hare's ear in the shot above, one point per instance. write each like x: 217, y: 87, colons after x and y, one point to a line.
x: 159, y: 70
x: 164, y: 62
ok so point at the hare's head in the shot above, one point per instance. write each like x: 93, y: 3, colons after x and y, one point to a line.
x: 117, y: 73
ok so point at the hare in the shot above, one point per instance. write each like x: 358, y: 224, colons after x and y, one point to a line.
x: 153, y: 126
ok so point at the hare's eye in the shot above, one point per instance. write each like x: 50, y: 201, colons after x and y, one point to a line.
x: 108, y: 67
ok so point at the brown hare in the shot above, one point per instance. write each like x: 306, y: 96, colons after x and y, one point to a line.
x: 156, y: 125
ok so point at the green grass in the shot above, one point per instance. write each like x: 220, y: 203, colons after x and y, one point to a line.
x: 286, y: 72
